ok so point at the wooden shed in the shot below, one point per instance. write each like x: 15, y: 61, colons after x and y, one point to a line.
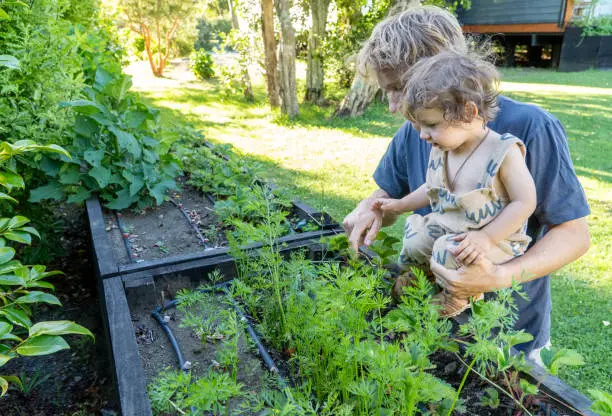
x: 539, y: 33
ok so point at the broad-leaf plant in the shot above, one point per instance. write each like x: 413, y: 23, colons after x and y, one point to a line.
x: 23, y: 286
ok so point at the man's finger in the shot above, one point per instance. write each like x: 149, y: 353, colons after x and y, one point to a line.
x: 460, y: 237
x: 373, y: 231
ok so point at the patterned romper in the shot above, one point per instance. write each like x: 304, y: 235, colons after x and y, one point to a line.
x: 452, y: 214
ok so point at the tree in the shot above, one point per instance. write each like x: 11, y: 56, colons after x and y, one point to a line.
x: 362, y: 91
x: 314, y: 70
x: 240, y: 42
x: 267, y: 28
x: 157, y: 21
x: 288, y: 88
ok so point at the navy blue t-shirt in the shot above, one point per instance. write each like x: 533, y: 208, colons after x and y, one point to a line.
x: 560, y: 197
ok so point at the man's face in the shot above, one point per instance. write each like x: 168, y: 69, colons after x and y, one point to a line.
x: 389, y: 80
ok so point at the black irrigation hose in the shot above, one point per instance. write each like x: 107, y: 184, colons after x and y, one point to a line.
x: 125, y: 236
x: 191, y: 223
x: 156, y: 314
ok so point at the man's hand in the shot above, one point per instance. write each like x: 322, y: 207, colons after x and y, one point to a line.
x: 383, y: 206
x: 467, y: 281
x: 473, y: 248
x: 363, y: 224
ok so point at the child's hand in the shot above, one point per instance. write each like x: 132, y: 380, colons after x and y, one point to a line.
x: 474, y: 246
x: 387, y: 205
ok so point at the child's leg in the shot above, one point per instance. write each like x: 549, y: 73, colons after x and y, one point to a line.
x: 420, y: 233
x: 452, y: 305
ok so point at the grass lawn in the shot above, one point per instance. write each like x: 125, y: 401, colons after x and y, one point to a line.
x: 329, y: 162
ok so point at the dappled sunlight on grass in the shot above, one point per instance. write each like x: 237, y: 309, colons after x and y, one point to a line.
x: 545, y: 88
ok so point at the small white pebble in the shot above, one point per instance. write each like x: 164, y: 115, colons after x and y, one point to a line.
x: 166, y: 318
x: 606, y: 323
x: 187, y: 365
x: 215, y: 364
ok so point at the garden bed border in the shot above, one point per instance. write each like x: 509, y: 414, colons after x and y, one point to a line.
x: 107, y: 266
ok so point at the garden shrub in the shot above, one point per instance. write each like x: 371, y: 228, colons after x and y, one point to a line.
x: 114, y: 150
x: 202, y: 64
x: 598, y: 26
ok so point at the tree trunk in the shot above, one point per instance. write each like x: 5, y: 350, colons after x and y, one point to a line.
x: 314, y: 70
x: 358, y: 98
x: 243, y: 63
x: 267, y: 27
x: 288, y: 89
x: 362, y: 93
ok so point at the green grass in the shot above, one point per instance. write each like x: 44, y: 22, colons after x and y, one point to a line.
x: 329, y: 162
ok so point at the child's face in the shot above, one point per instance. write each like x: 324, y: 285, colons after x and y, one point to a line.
x: 438, y: 132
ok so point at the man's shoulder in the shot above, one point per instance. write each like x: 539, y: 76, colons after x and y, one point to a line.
x: 520, y: 118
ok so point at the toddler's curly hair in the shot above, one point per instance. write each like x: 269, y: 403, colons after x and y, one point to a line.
x: 448, y: 81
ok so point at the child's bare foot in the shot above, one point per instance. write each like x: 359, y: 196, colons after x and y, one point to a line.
x: 452, y: 305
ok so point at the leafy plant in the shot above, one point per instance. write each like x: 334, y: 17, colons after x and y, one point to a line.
x: 384, y: 249
x: 554, y: 359
x: 490, y: 398
x: 22, y: 286
x: 202, y: 64
x: 602, y: 402
x: 114, y: 151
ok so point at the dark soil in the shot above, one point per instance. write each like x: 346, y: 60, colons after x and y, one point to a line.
x: 449, y: 369
x: 75, y: 381
x: 156, y: 351
x: 164, y: 231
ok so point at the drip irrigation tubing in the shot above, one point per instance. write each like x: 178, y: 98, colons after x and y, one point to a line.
x: 191, y: 223
x: 263, y: 352
x: 126, y: 237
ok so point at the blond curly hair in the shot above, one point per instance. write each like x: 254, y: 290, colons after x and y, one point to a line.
x: 400, y: 40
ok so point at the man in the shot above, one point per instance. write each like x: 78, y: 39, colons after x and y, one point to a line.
x: 558, y: 226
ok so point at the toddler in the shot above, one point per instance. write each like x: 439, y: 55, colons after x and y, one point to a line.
x: 477, y: 185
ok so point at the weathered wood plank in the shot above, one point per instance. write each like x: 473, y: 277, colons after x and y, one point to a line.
x: 129, y: 374
x: 104, y: 259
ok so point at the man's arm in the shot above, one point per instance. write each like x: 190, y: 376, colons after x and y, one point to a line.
x: 562, y: 244
x: 362, y: 224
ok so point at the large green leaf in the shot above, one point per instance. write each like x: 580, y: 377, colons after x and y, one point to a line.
x: 18, y: 236
x: 18, y: 221
x: 14, y: 380
x: 8, y: 61
x: 36, y: 297
x: 79, y: 196
x: 3, y: 360
x: 52, y: 190
x: 11, y: 180
x: 133, y: 119
x: 83, y: 106
x: 3, y: 386
x: 16, y: 316
x: 70, y: 174
x: 85, y: 126
x: 7, y: 197
x: 6, y: 254
x: 101, y: 175
x: 11, y: 280
x: 58, y: 328
x: 123, y: 200
x: 5, y: 328
x: 126, y: 141
x: 94, y: 157
x: 159, y: 191
x: 42, y: 345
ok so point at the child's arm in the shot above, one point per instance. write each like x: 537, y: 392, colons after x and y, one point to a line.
x: 412, y: 201
x: 519, y: 184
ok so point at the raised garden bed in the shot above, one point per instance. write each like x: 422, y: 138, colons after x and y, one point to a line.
x: 180, y: 233
x: 141, y: 349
